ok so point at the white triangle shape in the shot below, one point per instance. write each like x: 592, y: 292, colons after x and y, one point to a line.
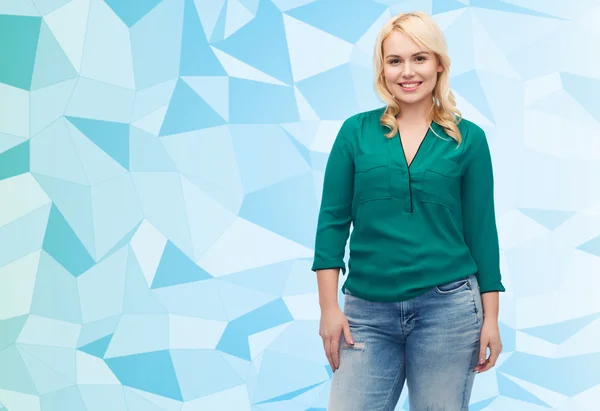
x: 313, y: 51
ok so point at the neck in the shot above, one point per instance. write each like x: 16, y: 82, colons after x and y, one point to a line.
x: 415, y: 113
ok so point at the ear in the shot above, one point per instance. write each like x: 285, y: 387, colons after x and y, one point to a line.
x: 440, y: 68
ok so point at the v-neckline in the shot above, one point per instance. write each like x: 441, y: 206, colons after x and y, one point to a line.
x: 423, y: 146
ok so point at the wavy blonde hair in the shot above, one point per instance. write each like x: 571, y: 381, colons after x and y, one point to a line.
x: 423, y: 30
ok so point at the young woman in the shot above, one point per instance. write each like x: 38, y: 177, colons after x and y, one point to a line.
x: 415, y: 180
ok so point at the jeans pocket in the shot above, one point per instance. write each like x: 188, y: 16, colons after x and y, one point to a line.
x: 452, y: 286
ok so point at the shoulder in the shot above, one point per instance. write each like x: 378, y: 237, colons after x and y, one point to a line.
x: 359, y: 122
x: 368, y: 115
x: 473, y: 135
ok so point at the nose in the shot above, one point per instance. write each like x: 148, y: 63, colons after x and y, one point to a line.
x: 408, y: 71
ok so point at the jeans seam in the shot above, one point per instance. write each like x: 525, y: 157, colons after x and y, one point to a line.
x: 464, y: 406
x: 389, y: 396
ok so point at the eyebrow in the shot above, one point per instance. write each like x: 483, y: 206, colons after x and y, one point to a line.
x: 416, y: 54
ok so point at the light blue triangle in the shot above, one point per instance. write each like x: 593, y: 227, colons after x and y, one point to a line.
x: 176, y: 268
x: 218, y: 33
x: 339, y: 101
x: 74, y: 201
x: 138, y: 298
x: 152, y: 372
x: 469, y: 86
x: 122, y: 242
x: 44, y: 377
x: 48, y: 104
x: 96, y: 330
x: 15, y: 161
x: 148, y: 154
x: 111, y: 137
x: 62, y: 360
x: 247, y: 44
x: 583, y: 90
x: 132, y: 11
x: 508, y: 388
x: 592, y: 246
x: 187, y: 112
x: 290, y: 395
x: 55, y: 294
x: 234, y: 340
x: 481, y: 405
x: 52, y: 65
x: 292, y: 191
x: 550, y: 219
x: 48, y: 6
x: 137, y: 403
x: 560, y: 332
x: 350, y: 22
x: 18, y: 379
x: 23, y: 236
x: 67, y: 399
x: 251, y: 5
x: 443, y: 6
x: 192, y: 367
x: 7, y: 141
x: 64, y: 245
x: 302, y: 150
x: 506, y: 6
x: 97, y: 348
x: 11, y: 328
x: 269, y: 279
x: 197, y: 58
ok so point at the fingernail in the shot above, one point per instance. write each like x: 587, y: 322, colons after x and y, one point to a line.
x: 481, y: 361
x: 351, y: 342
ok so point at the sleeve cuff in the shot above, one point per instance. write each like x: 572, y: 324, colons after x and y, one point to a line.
x: 323, y: 265
x: 491, y: 287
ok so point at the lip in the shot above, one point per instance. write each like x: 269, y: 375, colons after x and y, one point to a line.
x: 410, y: 90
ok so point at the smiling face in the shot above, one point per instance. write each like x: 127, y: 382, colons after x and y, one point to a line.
x: 409, y: 71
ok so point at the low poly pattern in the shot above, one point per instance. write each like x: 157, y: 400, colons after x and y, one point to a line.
x: 161, y: 168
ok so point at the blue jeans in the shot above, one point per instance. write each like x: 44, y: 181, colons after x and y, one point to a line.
x: 430, y: 341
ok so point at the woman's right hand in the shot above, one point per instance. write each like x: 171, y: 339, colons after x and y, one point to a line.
x: 333, y: 323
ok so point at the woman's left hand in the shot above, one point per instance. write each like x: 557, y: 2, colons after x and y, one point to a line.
x: 490, y: 338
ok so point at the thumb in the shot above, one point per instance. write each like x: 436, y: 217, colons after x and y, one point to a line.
x: 348, y: 334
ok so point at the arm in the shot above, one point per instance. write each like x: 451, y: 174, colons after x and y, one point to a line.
x: 479, y: 223
x: 335, y: 215
x: 481, y: 236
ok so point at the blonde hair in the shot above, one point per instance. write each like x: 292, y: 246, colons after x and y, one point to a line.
x: 423, y: 30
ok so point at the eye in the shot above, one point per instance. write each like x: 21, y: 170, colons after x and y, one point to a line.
x: 422, y: 58
x: 392, y: 61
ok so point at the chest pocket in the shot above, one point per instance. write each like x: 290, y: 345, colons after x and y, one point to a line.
x: 441, y: 183
x: 372, y: 177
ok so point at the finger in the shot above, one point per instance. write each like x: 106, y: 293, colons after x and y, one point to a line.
x: 327, y: 345
x: 482, y: 358
x: 348, y: 334
x: 335, y: 352
x: 491, y: 362
x: 487, y: 366
x: 483, y: 352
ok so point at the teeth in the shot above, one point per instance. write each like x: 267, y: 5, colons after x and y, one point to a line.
x: 409, y: 85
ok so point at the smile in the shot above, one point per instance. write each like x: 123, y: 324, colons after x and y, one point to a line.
x: 410, y: 86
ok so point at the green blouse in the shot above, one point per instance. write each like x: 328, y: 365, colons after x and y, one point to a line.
x: 413, y: 227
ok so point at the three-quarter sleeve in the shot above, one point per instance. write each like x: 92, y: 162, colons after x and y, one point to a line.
x: 478, y: 214
x: 335, y: 213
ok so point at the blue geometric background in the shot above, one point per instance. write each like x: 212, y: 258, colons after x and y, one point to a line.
x: 161, y: 167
